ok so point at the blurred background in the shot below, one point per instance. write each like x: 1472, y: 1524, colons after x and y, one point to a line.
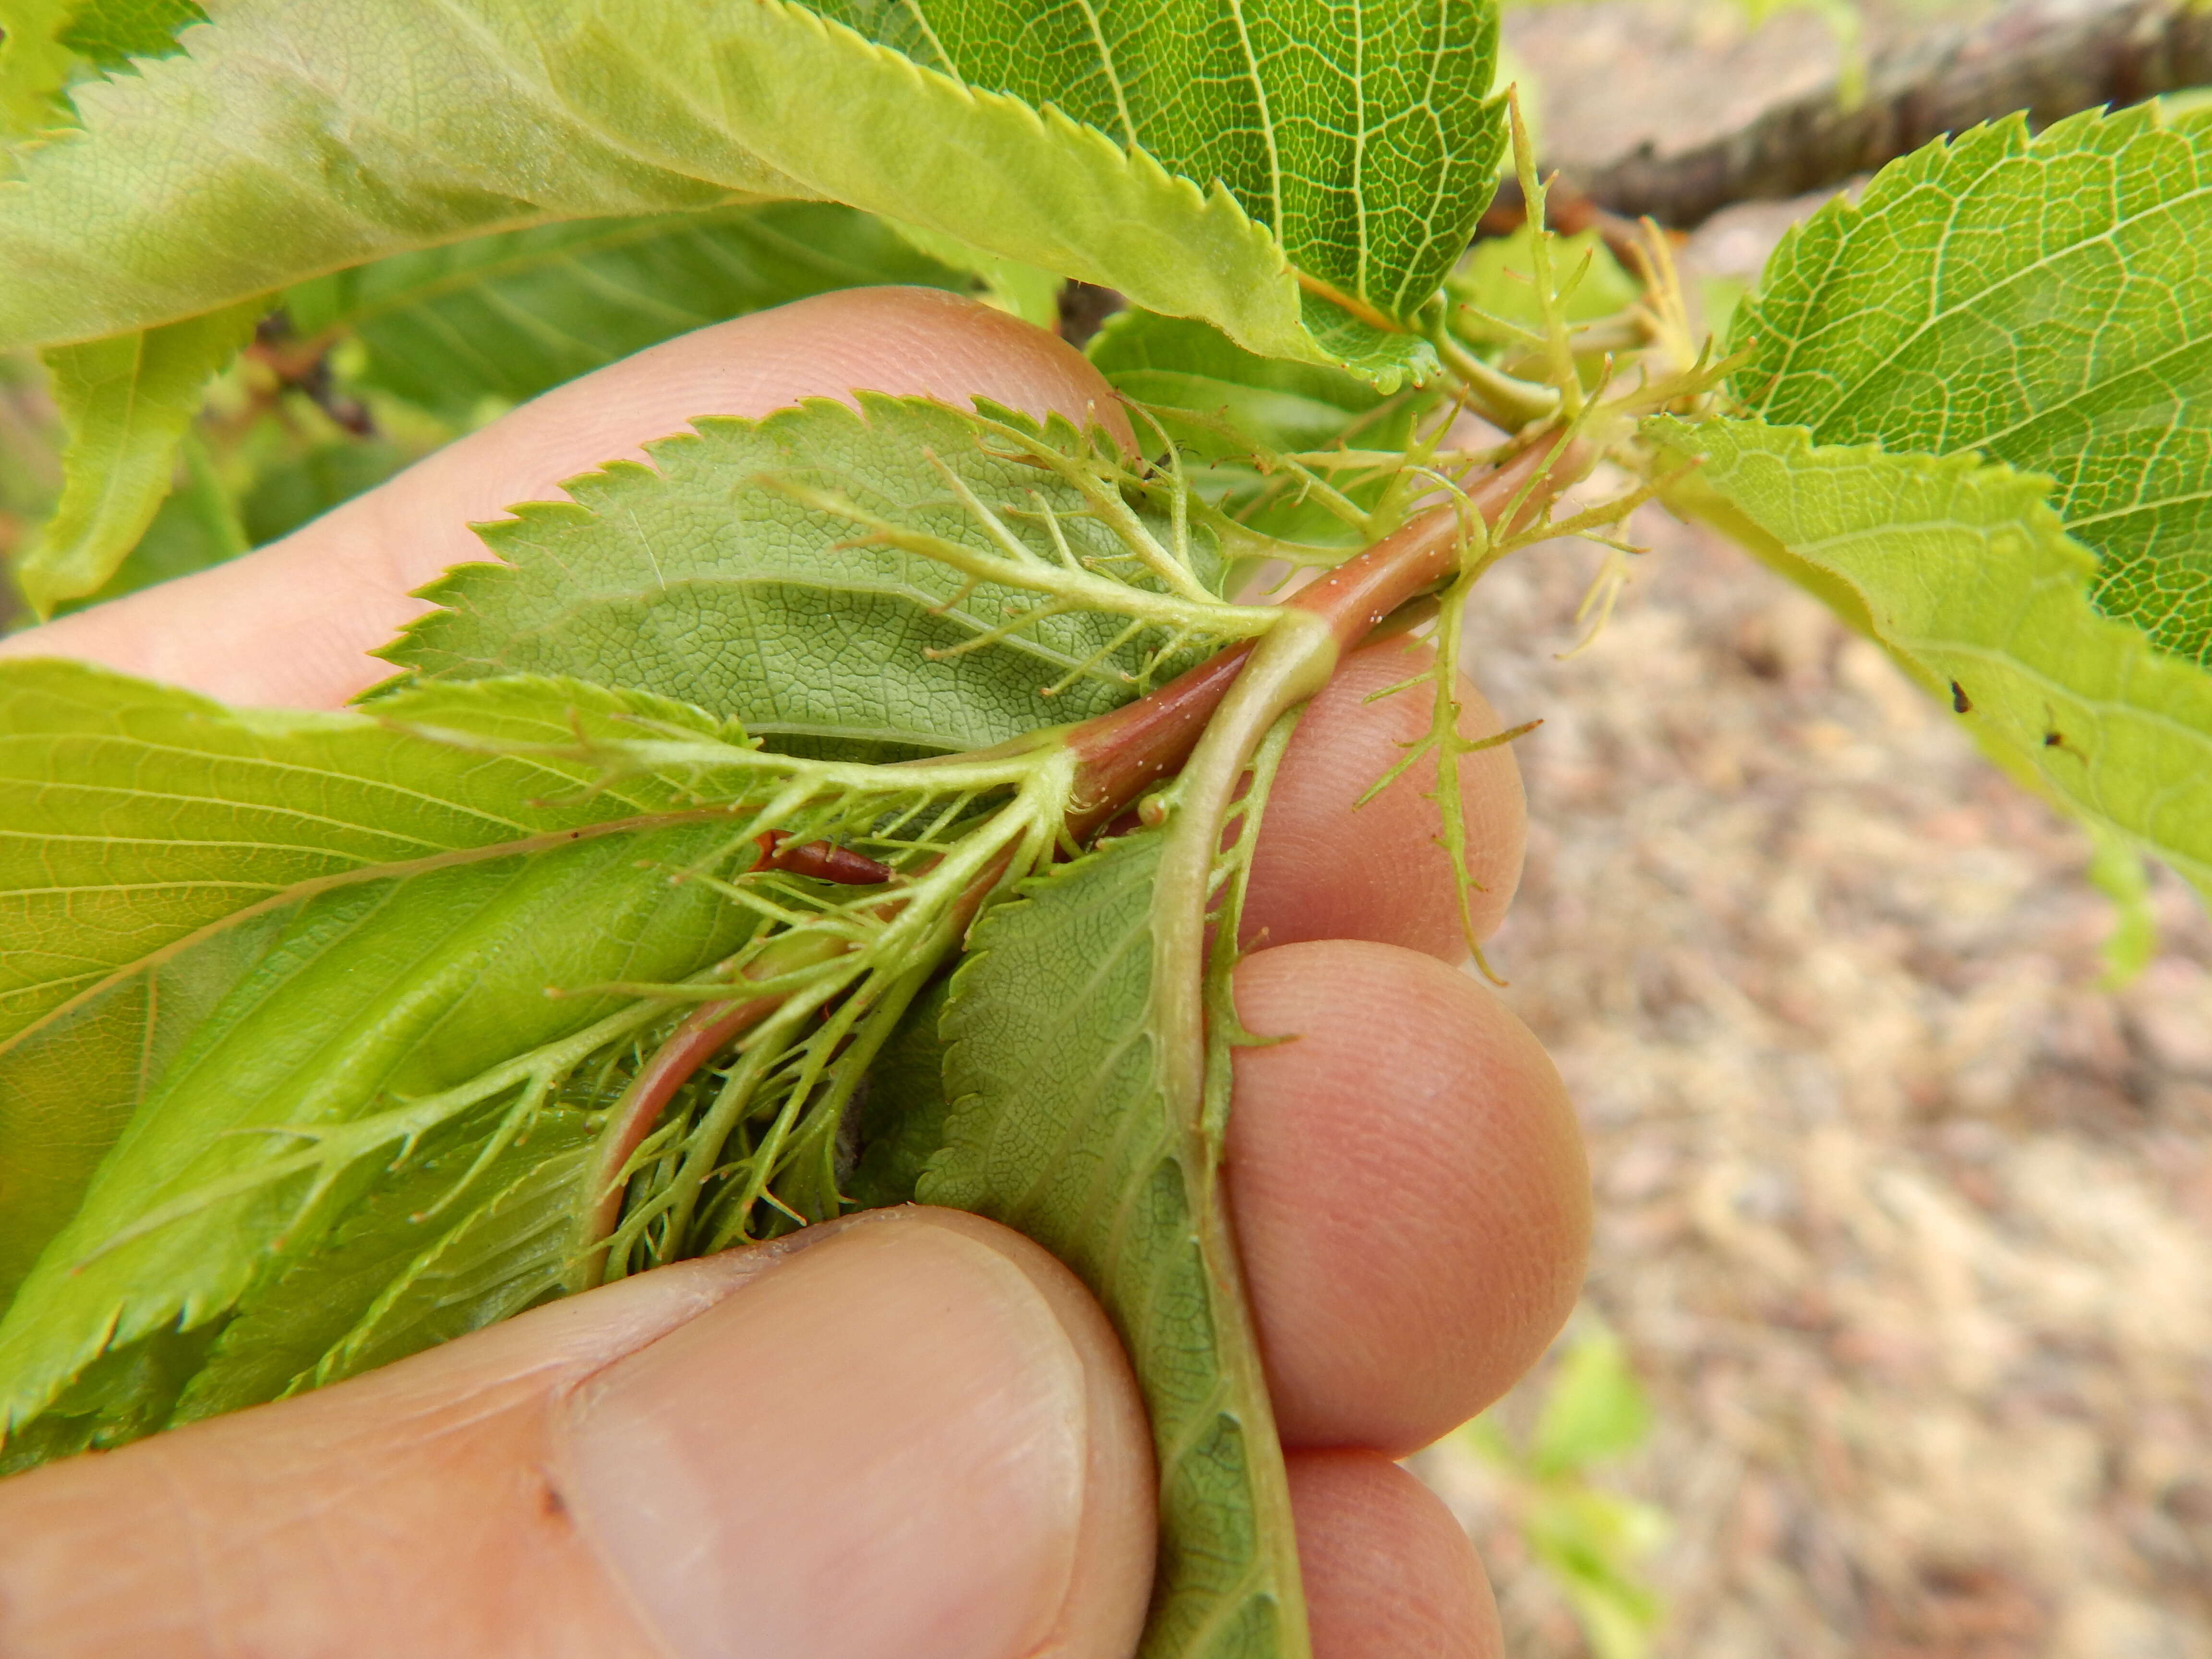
x: 1897, y: 1339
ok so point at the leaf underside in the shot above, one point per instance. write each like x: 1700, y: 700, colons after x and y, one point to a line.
x: 281, y: 924
x: 127, y: 401
x: 487, y: 115
x: 1969, y: 576
x: 517, y: 313
x: 1060, y: 1126
x: 2039, y: 299
x: 700, y: 581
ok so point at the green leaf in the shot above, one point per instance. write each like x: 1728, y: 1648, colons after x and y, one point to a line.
x: 1029, y: 294
x: 248, y: 921
x: 196, y: 528
x: 34, y: 65
x: 111, y: 33
x: 1062, y: 1125
x: 701, y: 579
x: 1593, y: 1409
x: 1370, y: 150
x: 1969, y: 577
x: 1172, y: 365
x: 902, y: 1116
x: 1498, y: 301
x: 400, y: 1273
x: 301, y: 489
x: 1366, y: 143
x: 512, y: 315
x: 1593, y: 1543
x: 128, y: 401
x: 1236, y: 416
x: 2039, y: 299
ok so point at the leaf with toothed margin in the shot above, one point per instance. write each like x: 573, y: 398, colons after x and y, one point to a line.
x: 1060, y: 1126
x: 236, y: 931
x: 1960, y: 567
x: 404, y: 1270
x: 2035, y: 298
x: 700, y: 578
x: 1299, y: 177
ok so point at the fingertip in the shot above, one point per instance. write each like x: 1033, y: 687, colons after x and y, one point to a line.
x: 1410, y: 1194
x: 1328, y: 867
x: 1388, y: 1570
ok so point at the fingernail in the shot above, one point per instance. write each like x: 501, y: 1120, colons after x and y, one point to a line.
x: 876, y: 1447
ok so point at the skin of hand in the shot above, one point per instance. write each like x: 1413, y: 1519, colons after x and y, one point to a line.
x: 909, y: 1433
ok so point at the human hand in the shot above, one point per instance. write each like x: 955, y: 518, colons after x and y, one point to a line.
x: 909, y: 1432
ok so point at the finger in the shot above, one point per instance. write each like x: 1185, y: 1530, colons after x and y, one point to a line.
x: 1409, y: 1194
x: 913, y: 1434
x: 1326, y: 867
x: 1389, y: 1571
x: 289, y: 623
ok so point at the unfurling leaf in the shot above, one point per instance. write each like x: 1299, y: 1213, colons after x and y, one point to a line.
x: 239, y: 937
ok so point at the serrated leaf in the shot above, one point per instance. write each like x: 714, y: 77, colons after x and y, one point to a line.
x: 1366, y: 143
x: 1969, y: 577
x: 257, y: 922
x: 1062, y: 1125
x: 696, y: 580
x: 1029, y: 294
x: 2037, y: 298
x: 127, y: 401
x: 400, y: 1273
x: 111, y: 34
x: 512, y: 315
x: 1361, y: 137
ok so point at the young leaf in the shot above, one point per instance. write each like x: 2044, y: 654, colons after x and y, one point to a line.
x: 1368, y: 151
x: 1064, y: 1124
x: 2037, y: 298
x: 127, y: 401
x: 511, y: 314
x: 826, y: 625
x: 1971, y: 579
x: 164, y: 855
x: 401, y: 1273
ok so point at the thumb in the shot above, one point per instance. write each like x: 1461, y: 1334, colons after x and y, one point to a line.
x: 911, y: 1433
